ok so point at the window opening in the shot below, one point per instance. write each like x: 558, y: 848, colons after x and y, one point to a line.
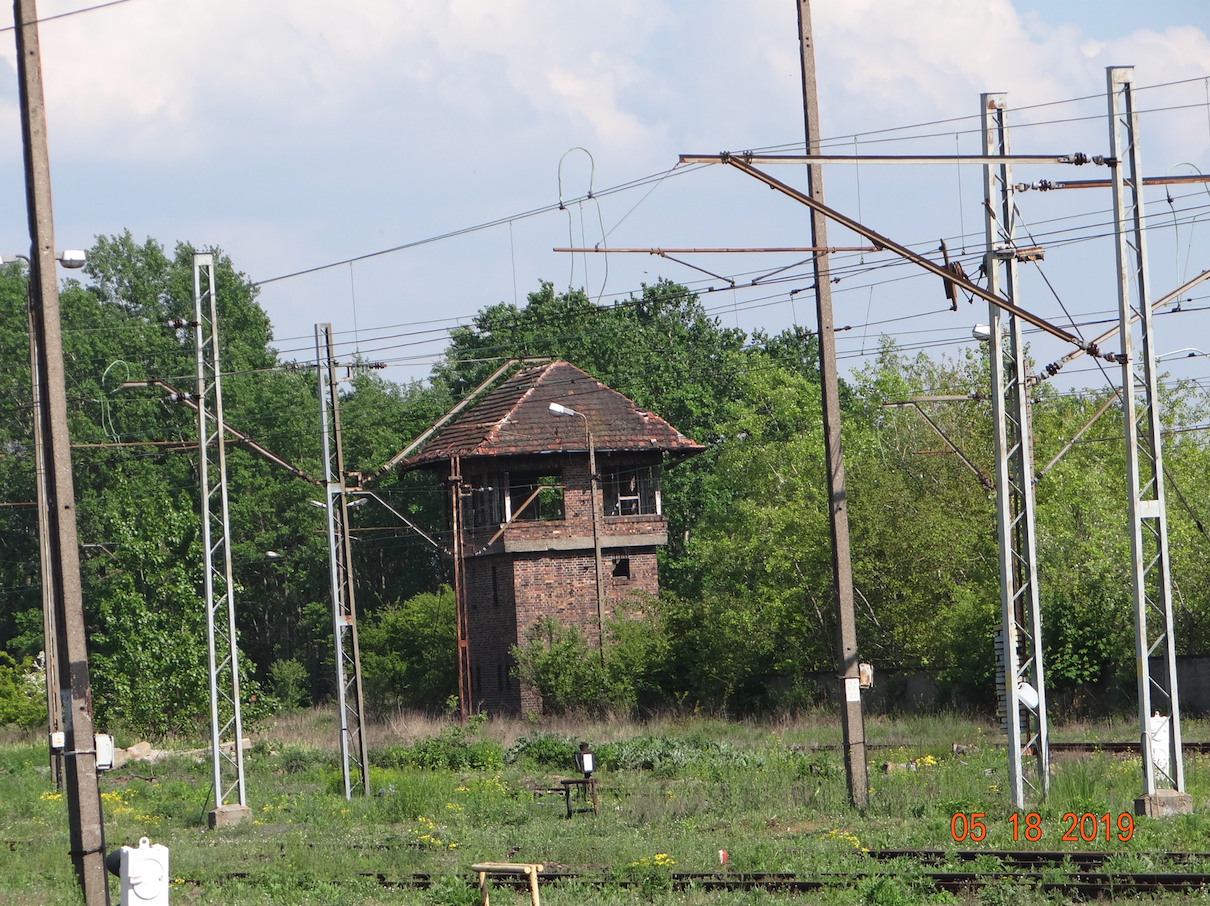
x: 633, y: 491
x: 536, y: 497
x: 487, y: 505
x: 621, y: 568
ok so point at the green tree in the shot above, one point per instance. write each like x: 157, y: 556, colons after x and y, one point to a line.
x: 409, y: 653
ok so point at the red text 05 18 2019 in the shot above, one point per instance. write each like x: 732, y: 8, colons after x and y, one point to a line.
x: 1076, y: 828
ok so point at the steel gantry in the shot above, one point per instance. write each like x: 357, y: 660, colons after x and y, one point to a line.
x: 1151, y: 579
x: 350, y: 705
x: 1019, y: 669
x: 226, y: 727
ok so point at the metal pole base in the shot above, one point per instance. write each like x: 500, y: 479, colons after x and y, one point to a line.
x: 1164, y: 804
x: 228, y: 815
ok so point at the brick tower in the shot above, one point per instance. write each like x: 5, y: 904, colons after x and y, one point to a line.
x: 526, y: 536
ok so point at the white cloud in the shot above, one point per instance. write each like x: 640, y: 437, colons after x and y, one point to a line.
x: 294, y: 132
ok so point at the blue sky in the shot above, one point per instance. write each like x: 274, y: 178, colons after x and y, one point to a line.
x: 294, y: 133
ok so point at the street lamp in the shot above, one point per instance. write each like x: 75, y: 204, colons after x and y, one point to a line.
x: 71, y: 259
x: 1191, y: 352
x: 594, y: 488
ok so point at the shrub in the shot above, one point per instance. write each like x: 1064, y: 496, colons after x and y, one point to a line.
x: 567, y: 671
x: 22, y: 693
x: 453, y: 749
x: 545, y: 750
x: 670, y: 755
x: 407, y: 653
x: 289, y: 681
x: 296, y: 759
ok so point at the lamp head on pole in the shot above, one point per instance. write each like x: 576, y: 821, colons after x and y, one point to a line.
x: 584, y: 761
x: 557, y: 409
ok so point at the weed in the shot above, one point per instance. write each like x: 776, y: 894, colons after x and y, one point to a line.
x: 545, y: 750
x: 296, y: 759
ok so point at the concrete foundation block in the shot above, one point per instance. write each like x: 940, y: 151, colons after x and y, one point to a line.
x: 228, y: 815
x: 1164, y: 804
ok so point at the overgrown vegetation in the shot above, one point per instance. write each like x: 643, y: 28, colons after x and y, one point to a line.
x: 745, y: 613
x: 672, y: 796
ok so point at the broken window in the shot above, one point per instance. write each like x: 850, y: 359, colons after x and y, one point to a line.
x: 487, y: 504
x: 621, y: 568
x: 536, y: 496
x: 633, y: 491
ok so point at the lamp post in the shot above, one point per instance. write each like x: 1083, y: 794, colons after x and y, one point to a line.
x: 1190, y: 352
x: 594, y: 502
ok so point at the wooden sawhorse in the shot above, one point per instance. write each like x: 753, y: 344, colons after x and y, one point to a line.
x: 496, y: 869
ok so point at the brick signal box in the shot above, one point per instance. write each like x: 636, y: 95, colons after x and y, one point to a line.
x: 528, y: 537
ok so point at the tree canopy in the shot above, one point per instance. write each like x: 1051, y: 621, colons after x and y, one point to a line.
x: 745, y: 618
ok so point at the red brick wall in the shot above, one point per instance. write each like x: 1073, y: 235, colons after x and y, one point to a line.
x: 491, y: 632
x: 529, y: 587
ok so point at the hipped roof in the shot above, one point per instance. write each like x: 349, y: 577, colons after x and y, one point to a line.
x: 515, y: 419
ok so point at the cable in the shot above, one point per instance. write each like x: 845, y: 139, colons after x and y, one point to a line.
x: 658, y: 178
x: 74, y: 12
x: 533, y: 212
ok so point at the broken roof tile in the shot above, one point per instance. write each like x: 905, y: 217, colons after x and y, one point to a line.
x: 515, y: 418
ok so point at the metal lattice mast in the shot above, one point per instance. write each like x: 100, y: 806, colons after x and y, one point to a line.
x: 1152, y: 585
x: 226, y: 728
x: 340, y: 563
x: 1019, y: 648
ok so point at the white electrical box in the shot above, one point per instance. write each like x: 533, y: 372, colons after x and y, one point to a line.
x: 144, y: 874
x: 1159, y: 737
x: 58, y: 740
x: 103, y: 746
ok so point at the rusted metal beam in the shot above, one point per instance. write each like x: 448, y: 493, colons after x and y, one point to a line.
x: 170, y: 444
x: 987, y: 483
x: 1047, y: 185
x: 512, y: 518
x: 729, y: 251
x: 240, y: 437
x: 433, y: 428
x: 1053, y: 368
x: 1076, y: 438
x: 981, y: 160
x: 405, y: 520
x: 906, y: 253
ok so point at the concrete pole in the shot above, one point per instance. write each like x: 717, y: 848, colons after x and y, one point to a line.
x: 87, y: 831
x: 853, y: 722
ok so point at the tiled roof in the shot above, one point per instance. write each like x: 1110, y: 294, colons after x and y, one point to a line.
x: 515, y: 418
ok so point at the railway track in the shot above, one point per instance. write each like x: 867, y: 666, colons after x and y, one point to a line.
x: 1080, y: 883
x: 1117, y: 748
x: 1076, y: 874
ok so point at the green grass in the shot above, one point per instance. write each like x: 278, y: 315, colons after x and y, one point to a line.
x: 685, y: 790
